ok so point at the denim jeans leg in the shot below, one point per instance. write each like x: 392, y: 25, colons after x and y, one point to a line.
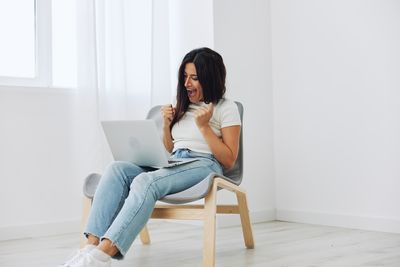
x: 110, y: 195
x: 145, y: 190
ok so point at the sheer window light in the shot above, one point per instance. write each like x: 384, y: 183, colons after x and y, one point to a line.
x: 38, y: 45
x: 17, y: 46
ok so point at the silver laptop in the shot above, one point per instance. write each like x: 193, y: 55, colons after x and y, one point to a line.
x: 139, y: 142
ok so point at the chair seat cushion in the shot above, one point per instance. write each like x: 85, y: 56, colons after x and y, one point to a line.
x: 196, y: 192
x: 90, y: 184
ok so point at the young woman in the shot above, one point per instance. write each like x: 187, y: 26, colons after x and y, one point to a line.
x: 203, y: 125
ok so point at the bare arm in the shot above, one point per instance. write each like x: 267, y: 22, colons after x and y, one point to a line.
x: 225, y: 149
x: 167, y: 113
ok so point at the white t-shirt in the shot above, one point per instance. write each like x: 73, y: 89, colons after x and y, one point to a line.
x: 186, y: 134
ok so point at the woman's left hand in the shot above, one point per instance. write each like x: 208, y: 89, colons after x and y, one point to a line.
x: 203, y: 115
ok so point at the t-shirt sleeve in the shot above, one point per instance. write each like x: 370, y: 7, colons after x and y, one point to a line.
x: 229, y: 114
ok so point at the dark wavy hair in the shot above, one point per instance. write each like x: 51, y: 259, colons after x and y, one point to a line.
x: 211, y: 73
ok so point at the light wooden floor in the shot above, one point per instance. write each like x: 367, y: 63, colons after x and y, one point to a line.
x: 277, y: 244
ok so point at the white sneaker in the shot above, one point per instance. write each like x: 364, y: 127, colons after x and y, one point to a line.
x: 78, y: 256
x: 90, y: 261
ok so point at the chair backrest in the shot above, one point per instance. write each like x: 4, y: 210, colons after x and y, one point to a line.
x: 235, y: 173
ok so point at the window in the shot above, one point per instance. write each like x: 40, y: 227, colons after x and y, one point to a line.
x: 17, y: 46
x: 38, y: 46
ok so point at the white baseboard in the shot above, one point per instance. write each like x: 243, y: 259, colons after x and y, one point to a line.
x: 38, y: 230
x: 340, y: 220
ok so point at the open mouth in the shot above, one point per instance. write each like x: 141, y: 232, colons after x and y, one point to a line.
x: 191, y: 92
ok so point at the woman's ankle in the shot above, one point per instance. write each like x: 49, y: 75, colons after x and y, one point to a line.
x: 92, y: 240
x: 108, y: 247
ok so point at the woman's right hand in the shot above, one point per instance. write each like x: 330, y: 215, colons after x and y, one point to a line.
x: 167, y: 112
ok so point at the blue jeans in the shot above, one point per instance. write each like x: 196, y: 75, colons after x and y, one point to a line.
x: 126, y: 195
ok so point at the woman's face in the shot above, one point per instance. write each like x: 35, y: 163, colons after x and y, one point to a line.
x: 192, y: 84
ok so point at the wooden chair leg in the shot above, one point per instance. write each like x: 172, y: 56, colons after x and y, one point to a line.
x: 87, y: 204
x: 245, y: 219
x: 210, y: 210
x: 145, y: 236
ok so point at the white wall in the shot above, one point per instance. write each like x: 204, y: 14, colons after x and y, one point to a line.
x: 39, y: 193
x: 334, y: 149
x: 242, y: 36
x: 336, y: 84
x: 191, y: 26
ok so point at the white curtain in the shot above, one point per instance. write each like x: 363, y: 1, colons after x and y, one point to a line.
x: 124, y: 54
x: 122, y: 70
x: 114, y: 73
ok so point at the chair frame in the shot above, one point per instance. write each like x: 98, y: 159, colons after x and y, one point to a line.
x: 206, y: 213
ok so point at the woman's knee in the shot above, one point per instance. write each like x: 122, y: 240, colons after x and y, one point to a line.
x: 121, y: 170
x: 118, y: 166
x: 151, y: 183
x: 144, y: 182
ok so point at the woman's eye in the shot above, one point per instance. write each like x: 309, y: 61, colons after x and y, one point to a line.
x: 195, y: 78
